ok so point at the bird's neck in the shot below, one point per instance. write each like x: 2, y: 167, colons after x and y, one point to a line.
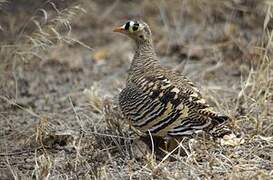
x: 145, y: 57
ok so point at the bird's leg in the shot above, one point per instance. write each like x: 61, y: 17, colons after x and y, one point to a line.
x: 170, y: 144
x: 167, y: 141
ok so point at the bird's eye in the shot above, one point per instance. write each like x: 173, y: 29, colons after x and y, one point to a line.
x: 134, y: 27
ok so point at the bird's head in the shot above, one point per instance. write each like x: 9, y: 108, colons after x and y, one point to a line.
x: 137, y: 30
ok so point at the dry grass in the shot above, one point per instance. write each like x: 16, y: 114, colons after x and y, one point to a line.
x: 52, y: 130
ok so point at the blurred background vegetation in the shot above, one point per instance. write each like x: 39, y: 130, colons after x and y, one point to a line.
x: 51, y: 50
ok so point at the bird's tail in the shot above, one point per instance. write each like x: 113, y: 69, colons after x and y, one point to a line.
x: 222, y: 126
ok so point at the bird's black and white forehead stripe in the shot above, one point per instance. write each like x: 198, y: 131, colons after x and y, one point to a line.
x: 127, y: 25
x: 133, y: 24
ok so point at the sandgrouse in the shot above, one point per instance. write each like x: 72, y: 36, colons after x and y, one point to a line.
x: 159, y: 101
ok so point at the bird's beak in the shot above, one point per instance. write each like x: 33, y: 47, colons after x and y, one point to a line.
x: 119, y: 29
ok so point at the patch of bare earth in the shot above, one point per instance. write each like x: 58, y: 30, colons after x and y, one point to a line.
x: 62, y: 68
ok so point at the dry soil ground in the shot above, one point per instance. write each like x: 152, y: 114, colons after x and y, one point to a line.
x: 51, y: 51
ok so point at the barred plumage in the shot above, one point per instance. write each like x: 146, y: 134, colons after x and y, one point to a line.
x: 162, y: 101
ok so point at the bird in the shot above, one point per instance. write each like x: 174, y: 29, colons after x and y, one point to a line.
x: 161, y: 102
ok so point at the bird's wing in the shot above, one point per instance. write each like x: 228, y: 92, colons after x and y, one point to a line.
x: 192, y: 94
x: 183, y: 83
x: 154, y: 103
x: 201, y: 114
